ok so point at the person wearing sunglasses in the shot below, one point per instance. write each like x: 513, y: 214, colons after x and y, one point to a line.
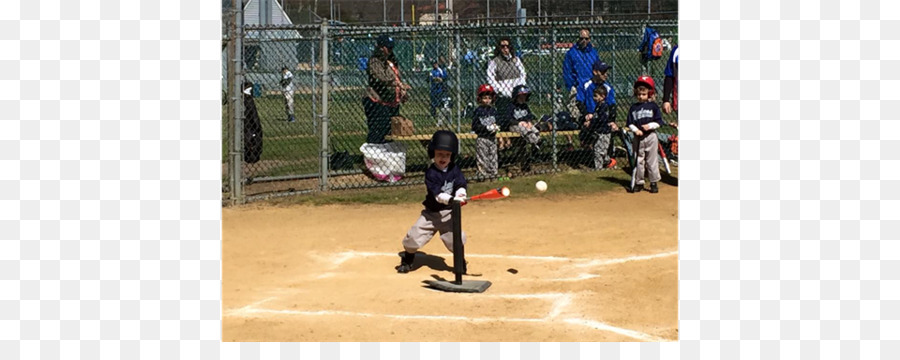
x: 505, y: 71
x: 578, y: 64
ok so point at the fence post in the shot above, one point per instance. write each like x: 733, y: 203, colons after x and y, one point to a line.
x: 312, y: 72
x: 236, y: 72
x: 556, y: 75
x: 458, y: 92
x: 323, y: 151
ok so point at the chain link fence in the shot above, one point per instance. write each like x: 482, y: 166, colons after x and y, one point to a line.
x: 323, y: 145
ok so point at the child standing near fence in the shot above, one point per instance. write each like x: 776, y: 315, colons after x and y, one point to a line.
x: 600, y: 128
x: 644, y: 117
x: 444, y: 182
x: 485, y: 126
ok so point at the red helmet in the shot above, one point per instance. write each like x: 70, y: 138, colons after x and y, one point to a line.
x: 486, y: 88
x: 646, y: 81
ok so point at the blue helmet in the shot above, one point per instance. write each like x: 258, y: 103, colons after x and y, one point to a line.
x: 386, y: 41
x: 521, y: 90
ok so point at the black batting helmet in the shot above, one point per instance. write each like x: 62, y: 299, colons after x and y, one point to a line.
x: 443, y: 140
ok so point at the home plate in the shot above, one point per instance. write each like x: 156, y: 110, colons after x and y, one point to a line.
x: 468, y: 286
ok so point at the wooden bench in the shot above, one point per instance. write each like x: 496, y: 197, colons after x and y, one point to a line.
x: 518, y: 143
x: 470, y: 136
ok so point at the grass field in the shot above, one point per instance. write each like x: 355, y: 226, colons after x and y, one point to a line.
x: 563, y: 184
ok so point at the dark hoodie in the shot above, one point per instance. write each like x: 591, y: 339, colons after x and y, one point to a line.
x: 252, y: 129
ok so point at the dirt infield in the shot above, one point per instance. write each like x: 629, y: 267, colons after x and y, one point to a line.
x: 600, y: 267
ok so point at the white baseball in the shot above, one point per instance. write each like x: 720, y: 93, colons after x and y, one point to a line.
x: 541, y: 186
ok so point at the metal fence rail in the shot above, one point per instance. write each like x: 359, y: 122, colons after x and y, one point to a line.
x: 319, y: 147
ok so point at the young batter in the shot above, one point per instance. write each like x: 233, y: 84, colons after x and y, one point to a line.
x: 644, y: 118
x: 443, y: 182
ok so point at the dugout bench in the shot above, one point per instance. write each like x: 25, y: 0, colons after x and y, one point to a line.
x: 518, y: 144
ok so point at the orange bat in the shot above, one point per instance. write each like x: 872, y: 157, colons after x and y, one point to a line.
x: 497, y: 193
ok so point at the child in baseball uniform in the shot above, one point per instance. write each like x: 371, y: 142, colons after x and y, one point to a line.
x: 287, y: 89
x: 520, y: 116
x: 600, y: 128
x: 644, y: 117
x: 485, y: 125
x: 444, y: 182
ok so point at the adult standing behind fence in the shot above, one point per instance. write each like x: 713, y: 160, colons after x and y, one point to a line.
x: 287, y: 89
x: 385, y: 92
x: 505, y: 71
x: 670, y: 86
x: 577, y: 66
x: 253, y: 133
x: 438, y: 87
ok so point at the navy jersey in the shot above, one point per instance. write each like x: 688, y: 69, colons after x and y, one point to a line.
x: 518, y: 112
x: 438, y: 182
x: 600, y: 123
x: 481, y: 118
x: 644, y: 113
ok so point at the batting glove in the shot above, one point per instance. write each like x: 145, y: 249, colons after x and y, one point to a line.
x: 444, y: 198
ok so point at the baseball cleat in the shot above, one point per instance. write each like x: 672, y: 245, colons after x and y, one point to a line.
x: 403, y: 268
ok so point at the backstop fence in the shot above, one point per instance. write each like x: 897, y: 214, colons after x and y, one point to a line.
x: 314, y: 138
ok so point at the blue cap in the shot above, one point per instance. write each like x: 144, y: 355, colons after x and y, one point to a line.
x: 601, y: 66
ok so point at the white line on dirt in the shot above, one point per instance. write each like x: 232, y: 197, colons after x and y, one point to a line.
x: 558, y: 306
x: 577, y: 278
x: 347, y: 255
x: 249, y: 312
x: 250, y: 306
x: 344, y: 256
x: 626, y: 259
x: 606, y: 327
x: 529, y: 296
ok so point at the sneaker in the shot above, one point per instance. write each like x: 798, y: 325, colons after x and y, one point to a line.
x: 403, y: 268
x: 638, y: 188
x: 406, y: 262
x: 653, y: 188
x: 292, y: 119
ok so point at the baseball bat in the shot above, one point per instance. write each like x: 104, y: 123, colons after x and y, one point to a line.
x: 633, y: 175
x: 497, y: 193
x: 665, y: 159
x: 631, y: 159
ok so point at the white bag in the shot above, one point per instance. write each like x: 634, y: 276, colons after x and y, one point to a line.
x: 386, y: 162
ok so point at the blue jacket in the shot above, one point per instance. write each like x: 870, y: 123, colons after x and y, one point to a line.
x: 438, y: 87
x: 585, y: 95
x: 577, y: 65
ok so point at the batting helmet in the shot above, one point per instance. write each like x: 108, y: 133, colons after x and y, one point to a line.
x: 646, y: 81
x: 486, y: 89
x: 385, y: 41
x: 521, y: 90
x: 443, y: 140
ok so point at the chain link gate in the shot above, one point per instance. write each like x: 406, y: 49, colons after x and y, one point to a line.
x: 294, y: 154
